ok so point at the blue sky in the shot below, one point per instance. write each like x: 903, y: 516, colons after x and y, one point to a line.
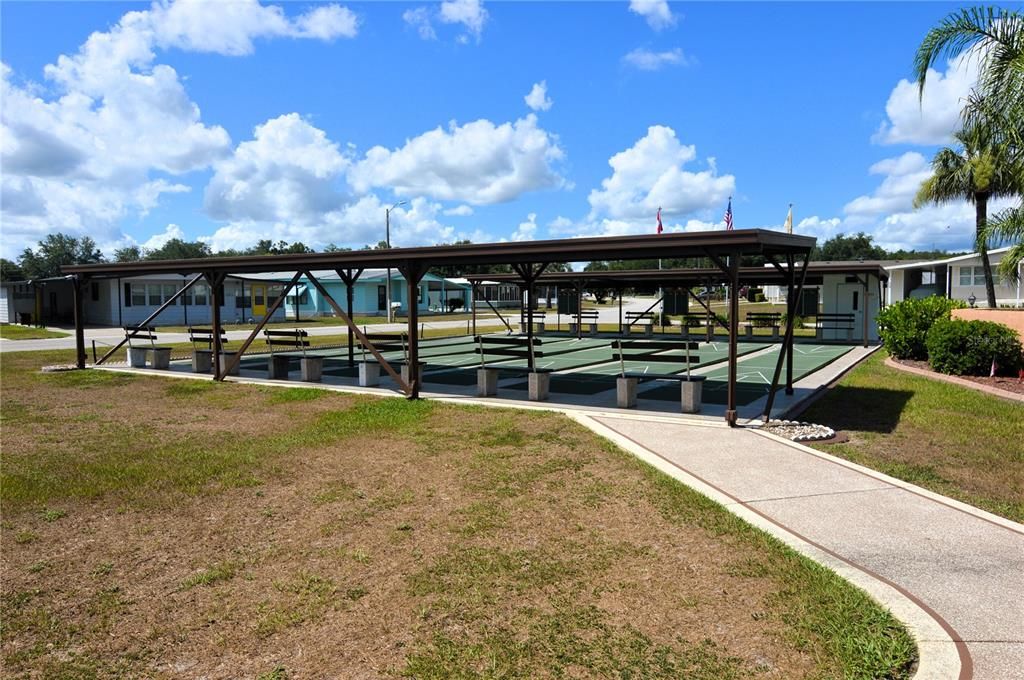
x: 303, y: 121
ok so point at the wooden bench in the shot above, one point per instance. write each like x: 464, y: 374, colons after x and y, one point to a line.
x: 158, y: 357
x: 697, y: 321
x: 539, y: 379
x: 202, y: 357
x: 643, y: 320
x: 764, y: 320
x: 834, y: 322
x: 657, y: 351
x: 295, y: 342
x: 369, y: 367
x: 537, y: 317
x: 586, y: 316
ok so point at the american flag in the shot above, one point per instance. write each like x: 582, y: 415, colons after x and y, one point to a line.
x: 728, y: 216
x: 660, y: 228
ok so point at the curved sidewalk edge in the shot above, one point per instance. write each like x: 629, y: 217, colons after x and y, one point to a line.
x: 940, y: 656
x: 954, y: 380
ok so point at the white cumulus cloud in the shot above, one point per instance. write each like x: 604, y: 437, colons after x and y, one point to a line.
x: 657, y: 13
x: 476, y: 163
x: 469, y: 14
x: 645, y: 60
x: 651, y: 174
x: 933, y: 118
x: 537, y: 99
x: 86, y: 151
x: 289, y: 171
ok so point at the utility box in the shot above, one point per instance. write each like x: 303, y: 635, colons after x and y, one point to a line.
x: 677, y: 302
x: 568, y: 302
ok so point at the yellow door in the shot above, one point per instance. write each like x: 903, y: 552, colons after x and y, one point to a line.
x: 259, y: 301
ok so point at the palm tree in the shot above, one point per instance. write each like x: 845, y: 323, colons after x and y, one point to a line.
x: 1008, y: 227
x: 993, y: 36
x: 979, y: 170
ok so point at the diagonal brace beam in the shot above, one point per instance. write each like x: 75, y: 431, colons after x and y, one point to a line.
x: 149, y: 318
x: 235, y: 360
x: 352, y: 328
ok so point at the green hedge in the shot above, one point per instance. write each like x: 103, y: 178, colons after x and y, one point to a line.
x: 968, y: 347
x: 903, y: 326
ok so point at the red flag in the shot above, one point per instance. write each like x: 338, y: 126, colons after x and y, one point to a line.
x: 660, y: 228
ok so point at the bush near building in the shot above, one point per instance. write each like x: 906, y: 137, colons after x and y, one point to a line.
x: 970, y: 347
x: 903, y: 326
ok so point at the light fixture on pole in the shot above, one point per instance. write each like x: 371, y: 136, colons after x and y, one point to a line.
x: 387, y: 241
x: 971, y: 299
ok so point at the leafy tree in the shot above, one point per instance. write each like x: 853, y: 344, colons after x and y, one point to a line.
x: 55, y: 251
x: 1008, y: 227
x: 268, y: 247
x: 177, y: 249
x: 331, y: 248
x: 10, y: 271
x: 128, y: 254
x: 980, y: 169
x: 842, y: 247
x: 994, y: 37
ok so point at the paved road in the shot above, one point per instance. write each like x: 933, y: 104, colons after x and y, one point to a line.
x: 964, y: 565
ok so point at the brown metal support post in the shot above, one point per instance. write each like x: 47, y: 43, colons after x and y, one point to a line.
x: 413, y: 273
x: 152, y: 316
x: 867, y: 308
x: 76, y: 286
x: 579, y: 309
x: 787, y: 342
x: 215, y: 280
x: 790, y: 320
x: 259, y: 327
x: 731, y: 415
x: 349, y: 279
x: 618, y: 292
x: 472, y: 304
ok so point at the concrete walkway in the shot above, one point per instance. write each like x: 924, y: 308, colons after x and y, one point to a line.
x: 953, y: 573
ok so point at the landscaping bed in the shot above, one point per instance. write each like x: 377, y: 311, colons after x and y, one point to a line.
x: 162, y: 527
x: 998, y: 382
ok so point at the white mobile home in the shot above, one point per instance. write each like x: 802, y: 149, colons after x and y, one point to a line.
x: 958, y: 278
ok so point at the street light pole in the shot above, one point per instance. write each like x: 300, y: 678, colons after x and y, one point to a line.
x: 387, y: 240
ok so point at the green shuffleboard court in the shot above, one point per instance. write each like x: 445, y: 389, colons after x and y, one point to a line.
x: 593, y: 379
x: 754, y: 375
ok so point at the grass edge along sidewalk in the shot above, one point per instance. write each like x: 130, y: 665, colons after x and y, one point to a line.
x: 949, y: 439
x: 530, y: 471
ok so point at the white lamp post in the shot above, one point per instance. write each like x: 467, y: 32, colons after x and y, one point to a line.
x: 387, y: 240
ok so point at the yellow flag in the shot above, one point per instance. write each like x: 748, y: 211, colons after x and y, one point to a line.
x: 789, y: 220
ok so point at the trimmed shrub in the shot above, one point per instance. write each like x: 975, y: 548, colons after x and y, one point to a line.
x: 903, y: 326
x: 969, y: 347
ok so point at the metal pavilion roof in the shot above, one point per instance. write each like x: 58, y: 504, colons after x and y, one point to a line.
x: 695, y: 244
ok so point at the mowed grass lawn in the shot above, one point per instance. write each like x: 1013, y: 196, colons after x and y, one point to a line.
x: 13, y: 332
x: 950, y: 439
x: 168, y: 527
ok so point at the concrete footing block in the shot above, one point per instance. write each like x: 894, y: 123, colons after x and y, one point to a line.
x: 691, y: 393
x: 405, y: 372
x: 369, y: 374
x: 625, y: 392
x: 486, y: 382
x: 160, y: 358
x: 540, y: 384
x: 202, y: 360
x: 277, y: 367
x: 137, y: 357
x: 225, y: 357
x: 312, y: 368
